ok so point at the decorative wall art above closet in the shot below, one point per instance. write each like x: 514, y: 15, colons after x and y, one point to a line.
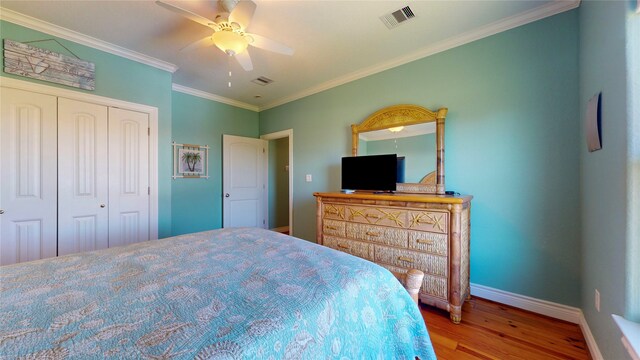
x: 41, y: 64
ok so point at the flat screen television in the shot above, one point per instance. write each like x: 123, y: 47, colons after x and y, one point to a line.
x: 371, y: 172
x: 400, y: 174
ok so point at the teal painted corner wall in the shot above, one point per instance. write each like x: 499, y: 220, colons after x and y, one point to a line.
x: 121, y: 79
x: 196, y: 204
x: 278, y: 183
x: 604, y: 173
x: 633, y: 213
x: 512, y: 141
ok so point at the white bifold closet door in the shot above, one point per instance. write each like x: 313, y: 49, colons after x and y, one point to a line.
x: 83, y: 184
x: 103, y: 175
x: 74, y: 176
x: 28, y: 176
x: 128, y: 177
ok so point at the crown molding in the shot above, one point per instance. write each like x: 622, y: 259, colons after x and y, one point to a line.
x: 210, y: 96
x: 64, y: 33
x: 505, y: 24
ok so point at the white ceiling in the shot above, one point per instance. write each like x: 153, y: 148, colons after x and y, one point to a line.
x: 334, y: 41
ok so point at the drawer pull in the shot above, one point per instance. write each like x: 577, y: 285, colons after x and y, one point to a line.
x: 371, y: 233
x: 425, y: 221
x: 331, y: 227
x: 425, y: 241
x: 343, y: 247
x: 404, y: 258
x: 373, y: 216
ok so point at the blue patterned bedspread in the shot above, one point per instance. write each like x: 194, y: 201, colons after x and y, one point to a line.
x: 223, y: 294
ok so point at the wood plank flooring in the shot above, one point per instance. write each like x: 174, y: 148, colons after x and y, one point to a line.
x: 491, y: 330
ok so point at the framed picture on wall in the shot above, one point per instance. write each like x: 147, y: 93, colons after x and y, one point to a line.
x: 593, y: 124
x: 190, y: 161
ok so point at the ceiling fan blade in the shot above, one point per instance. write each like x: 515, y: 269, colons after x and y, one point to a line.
x: 242, y: 13
x: 245, y: 60
x: 204, y: 42
x: 186, y: 13
x: 271, y: 45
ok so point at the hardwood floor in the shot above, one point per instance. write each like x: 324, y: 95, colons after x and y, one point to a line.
x: 495, y: 331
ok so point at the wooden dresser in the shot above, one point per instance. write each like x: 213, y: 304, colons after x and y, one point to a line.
x: 404, y: 231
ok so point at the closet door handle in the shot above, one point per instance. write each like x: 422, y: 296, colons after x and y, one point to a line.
x: 102, y: 205
x: 226, y: 195
x: 1, y: 211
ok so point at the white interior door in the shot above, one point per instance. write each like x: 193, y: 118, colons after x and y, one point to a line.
x: 128, y: 177
x: 243, y: 183
x: 83, y: 188
x: 28, y: 176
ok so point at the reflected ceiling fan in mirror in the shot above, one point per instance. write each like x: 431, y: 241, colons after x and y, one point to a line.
x: 229, y: 33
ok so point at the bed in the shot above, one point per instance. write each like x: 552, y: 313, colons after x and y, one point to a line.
x: 239, y: 293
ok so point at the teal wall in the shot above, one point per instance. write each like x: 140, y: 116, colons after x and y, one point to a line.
x: 633, y: 235
x: 419, y: 152
x: 604, y: 173
x: 196, y: 204
x: 512, y: 141
x: 278, y: 183
x: 122, y: 79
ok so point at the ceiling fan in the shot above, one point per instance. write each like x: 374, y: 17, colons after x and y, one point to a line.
x: 229, y: 31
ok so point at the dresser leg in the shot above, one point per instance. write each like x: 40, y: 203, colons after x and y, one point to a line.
x: 456, y: 314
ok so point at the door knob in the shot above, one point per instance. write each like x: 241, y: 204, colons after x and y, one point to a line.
x: 226, y: 195
x: 102, y: 205
x: 1, y: 211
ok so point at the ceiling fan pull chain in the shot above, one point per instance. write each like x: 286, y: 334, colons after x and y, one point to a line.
x: 229, y: 67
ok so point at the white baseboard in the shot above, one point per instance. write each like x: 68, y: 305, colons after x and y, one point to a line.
x: 543, y: 307
x: 588, y: 337
x: 558, y: 311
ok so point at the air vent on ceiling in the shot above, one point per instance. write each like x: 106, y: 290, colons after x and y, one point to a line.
x: 262, y: 81
x: 395, y: 18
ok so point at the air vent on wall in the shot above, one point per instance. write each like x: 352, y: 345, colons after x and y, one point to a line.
x: 262, y: 81
x: 395, y: 18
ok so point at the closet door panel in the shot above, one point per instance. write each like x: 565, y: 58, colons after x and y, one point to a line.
x: 128, y: 177
x: 28, y: 176
x: 83, y: 214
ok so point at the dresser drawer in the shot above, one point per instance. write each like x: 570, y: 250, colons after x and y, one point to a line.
x: 433, y: 221
x: 333, y: 211
x: 434, y: 243
x: 376, y: 215
x: 404, y: 231
x: 333, y: 227
x: 355, y: 248
x: 378, y: 234
x: 428, y: 263
x: 431, y: 284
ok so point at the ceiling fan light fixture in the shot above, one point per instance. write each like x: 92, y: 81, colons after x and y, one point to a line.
x: 230, y: 42
x: 396, y: 129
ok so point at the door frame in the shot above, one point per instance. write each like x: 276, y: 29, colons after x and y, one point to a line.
x: 102, y: 100
x: 274, y: 136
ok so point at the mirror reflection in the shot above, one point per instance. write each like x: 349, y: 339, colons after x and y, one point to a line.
x: 416, y: 143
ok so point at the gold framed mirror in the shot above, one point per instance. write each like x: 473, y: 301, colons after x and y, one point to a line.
x: 406, y: 128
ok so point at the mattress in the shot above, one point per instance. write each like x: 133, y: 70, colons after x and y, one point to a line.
x: 240, y: 293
